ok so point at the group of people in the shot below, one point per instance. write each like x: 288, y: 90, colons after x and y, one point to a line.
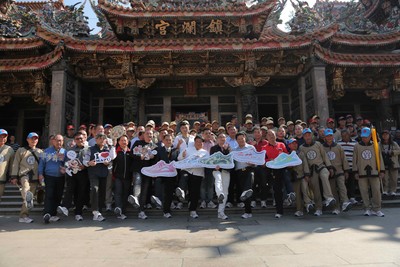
x: 87, y: 168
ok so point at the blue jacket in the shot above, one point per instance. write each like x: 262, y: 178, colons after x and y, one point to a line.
x: 51, y: 161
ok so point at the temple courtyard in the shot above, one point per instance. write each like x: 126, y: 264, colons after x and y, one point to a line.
x: 345, y: 240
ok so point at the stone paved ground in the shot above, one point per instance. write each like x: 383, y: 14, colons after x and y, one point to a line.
x: 346, y: 240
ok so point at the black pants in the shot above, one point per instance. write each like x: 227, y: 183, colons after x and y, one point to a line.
x: 122, y: 188
x: 234, y: 189
x: 277, y: 182
x: 145, y: 191
x: 260, y: 178
x: 244, y: 180
x: 97, y: 191
x: 351, y: 186
x: 194, y: 184
x: 54, y: 189
x: 168, y: 191
x: 76, y: 188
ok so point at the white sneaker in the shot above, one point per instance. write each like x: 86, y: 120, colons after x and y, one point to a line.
x: 211, y: 205
x: 378, y: 213
x: 263, y: 204
x: 29, y: 200
x: 246, y: 215
x: 298, y: 213
x: 310, y: 208
x: 291, y: 197
x: 122, y: 217
x: 25, y: 220
x: 346, y: 206
x: 78, y: 218
x: 203, y: 205
x: 62, y: 210
x: 278, y: 216
x: 222, y: 216
x: 156, y: 201
x: 167, y: 215
x: 173, y: 206
x: 393, y: 194
x: 240, y: 205
x: 97, y: 216
x: 229, y: 205
x: 194, y: 215
x: 353, y: 201
x: 246, y: 194
x: 330, y: 202
x: 335, y: 212
x: 367, y: 213
x: 179, y: 206
x: 318, y: 213
x: 385, y: 193
x: 149, y: 206
x: 108, y: 207
x: 46, y: 218
x: 180, y: 194
x: 54, y: 219
x: 142, y: 215
x: 253, y: 204
x: 133, y: 201
x: 118, y: 211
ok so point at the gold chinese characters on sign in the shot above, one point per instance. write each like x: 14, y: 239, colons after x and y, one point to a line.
x: 190, y: 27
x: 162, y: 26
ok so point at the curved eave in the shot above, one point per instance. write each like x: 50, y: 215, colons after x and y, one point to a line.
x: 32, y: 63
x: 20, y: 44
x: 126, y: 12
x: 357, y: 60
x: 273, y: 34
x: 366, y: 40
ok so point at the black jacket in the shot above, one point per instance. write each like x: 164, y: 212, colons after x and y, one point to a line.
x: 123, y: 165
x: 162, y: 154
x: 138, y: 163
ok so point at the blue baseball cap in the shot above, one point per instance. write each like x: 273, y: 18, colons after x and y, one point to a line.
x: 307, y: 130
x: 2, y: 131
x: 108, y: 126
x: 328, y: 132
x: 291, y: 141
x: 31, y: 135
x: 365, y: 132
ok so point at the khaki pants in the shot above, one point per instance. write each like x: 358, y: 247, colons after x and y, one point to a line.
x: 2, y: 186
x: 300, y: 187
x: 338, y: 186
x: 26, y: 186
x: 390, y: 180
x: 323, y: 175
x: 364, y: 184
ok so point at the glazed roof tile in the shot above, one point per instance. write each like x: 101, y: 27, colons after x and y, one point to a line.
x: 366, y: 40
x: 159, y: 12
x: 20, y: 44
x: 37, y: 5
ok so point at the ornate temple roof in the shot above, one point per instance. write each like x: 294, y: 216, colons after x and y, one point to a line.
x: 32, y: 63
x: 20, y: 44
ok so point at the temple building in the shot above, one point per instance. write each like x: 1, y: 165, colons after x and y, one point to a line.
x: 200, y: 60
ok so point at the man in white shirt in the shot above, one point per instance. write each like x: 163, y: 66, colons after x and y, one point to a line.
x: 195, y: 175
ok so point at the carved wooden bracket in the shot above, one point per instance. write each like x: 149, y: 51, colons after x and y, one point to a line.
x: 377, y: 94
x: 337, y: 90
x: 247, y: 79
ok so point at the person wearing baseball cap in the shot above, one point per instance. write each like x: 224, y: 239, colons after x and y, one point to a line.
x: 301, y: 175
x: 341, y: 168
x: 281, y: 121
x: 330, y: 123
x: 82, y: 127
x: 341, y: 123
x: 249, y: 130
x: 26, y: 158
x: 107, y: 129
x: 214, y: 127
x: 6, y: 157
x: 321, y: 168
x: 366, y: 172
x: 164, y: 126
x: 390, y: 153
x: 289, y: 130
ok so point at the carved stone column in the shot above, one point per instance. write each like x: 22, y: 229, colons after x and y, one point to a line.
x: 131, y: 104
x: 320, y: 91
x: 249, y: 101
x: 58, y: 95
